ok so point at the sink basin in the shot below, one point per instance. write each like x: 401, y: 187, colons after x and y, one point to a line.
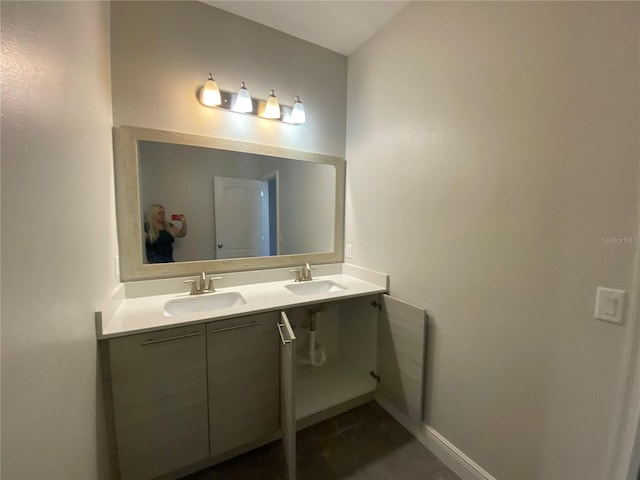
x: 203, y: 303
x: 314, y: 287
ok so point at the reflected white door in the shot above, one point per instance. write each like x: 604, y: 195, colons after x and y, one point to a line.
x: 241, y: 217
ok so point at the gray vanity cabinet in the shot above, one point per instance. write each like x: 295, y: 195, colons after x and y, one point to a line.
x: 375, y: 347
x: 400, y: 359
x: 243, y: 381
x: 159, y: 391
x: 195, y: 395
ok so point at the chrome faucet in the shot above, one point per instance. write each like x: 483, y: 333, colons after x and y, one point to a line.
x: 306, y: 273
x: 303, y: 274
x: 202, y: 284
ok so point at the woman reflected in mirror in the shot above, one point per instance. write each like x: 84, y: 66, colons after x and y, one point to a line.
x: 160, y: 234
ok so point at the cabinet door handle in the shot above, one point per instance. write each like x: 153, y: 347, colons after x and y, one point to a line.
x: 284, y: 342
x: 218, y: 330
x: 151, y: 342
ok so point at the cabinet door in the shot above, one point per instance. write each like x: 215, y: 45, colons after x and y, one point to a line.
x: 400, y: 362
x: 242, y: 359
x: 159, y: 400
x: 287, y: 399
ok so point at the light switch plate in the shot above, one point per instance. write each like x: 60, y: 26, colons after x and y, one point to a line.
x: 348, y: 251
x: 610, y: 305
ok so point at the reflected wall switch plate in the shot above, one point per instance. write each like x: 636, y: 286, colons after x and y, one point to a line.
x: 610, y: 305
x: 348, y: 250
x: 116, y: 266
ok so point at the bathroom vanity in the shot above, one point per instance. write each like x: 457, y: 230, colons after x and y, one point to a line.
x: 193, y: 380
x: 204, y: 383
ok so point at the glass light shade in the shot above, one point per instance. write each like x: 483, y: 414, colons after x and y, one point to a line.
x: 272, y: 110
x: 297, y: 112
x: 243, y: 100
x: 210, y: 93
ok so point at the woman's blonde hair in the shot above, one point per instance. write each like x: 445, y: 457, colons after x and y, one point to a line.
x: 152, y: 229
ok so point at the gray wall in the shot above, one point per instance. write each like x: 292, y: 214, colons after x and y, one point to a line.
x: 485, y: 191
x: 58, y: 236
x: 307, y: 205
x: 162, y: 53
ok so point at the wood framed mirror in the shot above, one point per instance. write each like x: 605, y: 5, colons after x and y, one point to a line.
x: 246, y: 206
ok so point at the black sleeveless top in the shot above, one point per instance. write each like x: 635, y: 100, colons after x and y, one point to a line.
x: 160, y: 251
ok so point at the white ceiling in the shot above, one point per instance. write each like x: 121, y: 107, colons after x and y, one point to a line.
x: 341, y: 26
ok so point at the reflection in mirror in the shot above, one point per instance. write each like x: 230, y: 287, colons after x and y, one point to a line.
x: 237, y: 204
x: 226, y: 205
x: 159, y: 234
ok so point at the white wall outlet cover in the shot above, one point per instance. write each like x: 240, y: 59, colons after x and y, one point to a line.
x: 348, y: 251
x: 610, y: 305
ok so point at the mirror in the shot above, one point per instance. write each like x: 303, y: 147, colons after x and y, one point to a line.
x: 245, y: 206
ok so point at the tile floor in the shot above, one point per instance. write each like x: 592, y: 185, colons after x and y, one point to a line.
x: 365, y: 443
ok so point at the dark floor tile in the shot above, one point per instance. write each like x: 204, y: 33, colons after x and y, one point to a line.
x: 363, y: 444
x: 408, y: 462
x: 332, y: 459
x: 264, y: 463
x: 389, y: 450
x: 379, y: 435
x: 310, y: 436
x: 357, y: 415
x: 201, y: 475
x: 440, y: 472
x: 362, y: 473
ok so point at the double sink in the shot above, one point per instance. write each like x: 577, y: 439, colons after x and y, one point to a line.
x: 220, y: 300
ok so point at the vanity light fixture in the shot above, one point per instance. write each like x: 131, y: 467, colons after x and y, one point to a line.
x: 210, y: 93
x: 272, y: 110
x: 211, y: 96
x: 297, y: 112
x: 243, y: 100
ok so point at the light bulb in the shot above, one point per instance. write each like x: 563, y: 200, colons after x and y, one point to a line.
x: 243, y: 100
x: 210, y: 93
x: 272, y: 110
x: 297, y: 112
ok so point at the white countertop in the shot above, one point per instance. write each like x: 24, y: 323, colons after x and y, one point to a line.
x: 126, y: 316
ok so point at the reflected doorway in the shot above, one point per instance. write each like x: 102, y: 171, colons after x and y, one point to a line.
x: 274, y: 221
x: 246, y: 216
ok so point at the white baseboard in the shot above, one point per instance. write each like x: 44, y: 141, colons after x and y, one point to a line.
x: 452, y: 456
x: 442, y: 448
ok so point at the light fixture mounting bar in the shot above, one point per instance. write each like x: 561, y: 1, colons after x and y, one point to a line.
x: 229, y: 99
